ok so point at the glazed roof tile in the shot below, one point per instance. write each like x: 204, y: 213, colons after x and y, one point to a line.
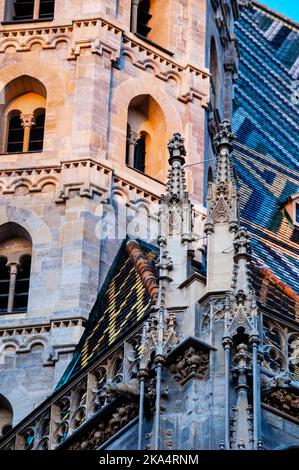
x: 122, y: 303
x: 265, y: 123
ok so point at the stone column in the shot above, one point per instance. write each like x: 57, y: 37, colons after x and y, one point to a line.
x: 13, y: 267
x: 36, y: 9
x: 27, y: 121
x: 132, y: 142
x: 134, y: 15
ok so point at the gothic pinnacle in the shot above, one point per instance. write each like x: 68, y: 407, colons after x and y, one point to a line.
x: 224, y: 137
x: 176, y: 184
x: 176, y: 149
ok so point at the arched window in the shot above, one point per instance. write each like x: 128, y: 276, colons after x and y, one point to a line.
x: 6, y: 416
x: 27, y: 10
x: 4, y: 284
x: 214, y: 74
x: 36, y: 139
x: 145, y: 149
x: 140, y: 152
x: 15, y: 266
x: 22, y: 284
x: 15, y: 136
x: 23, y: 116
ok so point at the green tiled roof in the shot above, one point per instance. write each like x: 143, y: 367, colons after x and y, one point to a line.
x: 123, y: 302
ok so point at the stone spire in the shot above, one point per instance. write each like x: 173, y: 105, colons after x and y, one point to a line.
x: 242, y: 338
x: 222, y: 214
x: 242, y: 299
x: 222, y: 199
x: 176, y: 208
x: 175, y: 243
x: 176, y: 184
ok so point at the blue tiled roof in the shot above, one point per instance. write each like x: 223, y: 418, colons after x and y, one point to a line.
x: 265, y: 123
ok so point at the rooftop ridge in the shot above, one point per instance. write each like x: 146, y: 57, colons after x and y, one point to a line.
x: 276, y: 15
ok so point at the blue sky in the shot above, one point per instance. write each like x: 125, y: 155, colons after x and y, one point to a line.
x: 289, y: 8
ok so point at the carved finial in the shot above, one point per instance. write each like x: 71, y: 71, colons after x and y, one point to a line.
x: 225, y: 136
x: 242, y: 242
x: 177, y: 149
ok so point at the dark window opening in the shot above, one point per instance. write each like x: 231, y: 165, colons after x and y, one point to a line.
x: 37, y: 134
x: 22, y: 285
x: 15, y: 135
x: 24, y: 10
x: 27, y: 10
x: 140, y: 153
x: 297, y: 213
x: 46, y: 9
x: 214, y: 74
x: 4, y: 284
x: 143, y: 18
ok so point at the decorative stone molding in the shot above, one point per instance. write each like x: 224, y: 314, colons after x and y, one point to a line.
x: 23, y: 338
x: 281, y: 350
x: 85, y: 400
x: 212, y: 310
x: 222, y: 196
x: 33, y: 179
x: 189, y: 360
x: 99, y: 37
x: 86, y: 175
x: 106, y: 427
x: 285, y: 401
x: 25, y: 330
x: 191, y: 82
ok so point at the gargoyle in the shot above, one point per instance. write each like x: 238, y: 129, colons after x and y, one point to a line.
x: 269, y: 384
x: 122, y: 389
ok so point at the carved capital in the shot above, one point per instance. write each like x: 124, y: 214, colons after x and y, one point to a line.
x: 27, y: 120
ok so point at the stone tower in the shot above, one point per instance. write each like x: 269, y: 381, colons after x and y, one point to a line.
x: 90, y: 95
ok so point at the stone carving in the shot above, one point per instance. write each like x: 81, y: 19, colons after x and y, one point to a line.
x: 192, y: 363
x: 221, y: 213
x: 281, y: 349
x: 285, y: 401
x: 106, y: 428
x: 128, y: 389
x: 176, y: 148
x: 268, y: 384
x: 225, y: 135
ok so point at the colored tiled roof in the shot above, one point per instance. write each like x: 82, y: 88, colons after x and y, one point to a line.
x: 123, y: 302
x: 265, y: 123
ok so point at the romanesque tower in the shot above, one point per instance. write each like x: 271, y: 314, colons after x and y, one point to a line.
x: 90, y: 94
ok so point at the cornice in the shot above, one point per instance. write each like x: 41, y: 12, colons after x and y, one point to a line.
x: 99, y: 36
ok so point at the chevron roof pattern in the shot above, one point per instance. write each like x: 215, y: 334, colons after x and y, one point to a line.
x: 265, y: 123
x: 122, y: 304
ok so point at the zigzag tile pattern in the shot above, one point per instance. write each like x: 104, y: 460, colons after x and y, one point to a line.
x: 122, y: 304
x: 265, y: 123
